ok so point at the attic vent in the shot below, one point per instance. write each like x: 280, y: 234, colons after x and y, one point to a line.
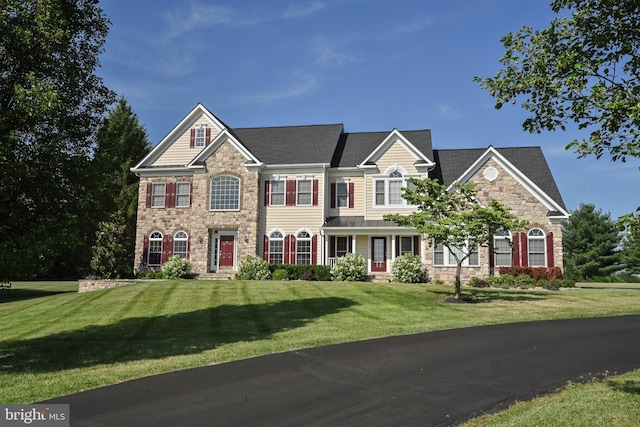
x: 491, y: 173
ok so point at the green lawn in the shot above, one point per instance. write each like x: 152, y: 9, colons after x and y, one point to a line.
x: 55, y: 341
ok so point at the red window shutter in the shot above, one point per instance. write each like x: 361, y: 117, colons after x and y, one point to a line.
x: 170, y: 195
x: 293, y: 251
x: 188, y: 246
x: 550, y: 250
x: 314, y: 249
x: 145, y: 250
x: 291, y: 192
x: 315, y: 192
x: 516, y: 250
x: 267, y: 192
x: 192, y: 139
x: 416, y: 245
x: 332, y: 246
x: 207, y: 134
x: 351, y: 195
x: 190, y: 193
x: 333, y: 195
x: 165, y: 249
x: 149, y: 189
x: 524, y: 249
x: 287, y: 252
x: 398, y: 243
x: 266, y: 248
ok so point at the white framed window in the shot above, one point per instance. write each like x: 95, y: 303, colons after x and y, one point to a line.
x: 503, y: 252
x: 342, y: 194
x: 158, y: 191
x: 180, y: 244
x: 342, y: 246
x: 276, y: 247
x: 406, y: 245
x: 387, y: 190
x: 303, y: 247
x: 225, y: 193
x: 154, y: 257
x: 537, y: 250
x: 200, y: 136
x: 277, y: 193
x: 444, y: 257
x: 304, y: 190
x: 183, y: 194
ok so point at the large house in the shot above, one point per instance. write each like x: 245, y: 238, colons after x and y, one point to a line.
x: 310, y: 194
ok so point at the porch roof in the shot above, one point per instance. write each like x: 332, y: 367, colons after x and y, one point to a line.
x: 358, y: 222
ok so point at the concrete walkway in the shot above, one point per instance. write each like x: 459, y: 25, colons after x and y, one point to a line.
x: 437, y: 378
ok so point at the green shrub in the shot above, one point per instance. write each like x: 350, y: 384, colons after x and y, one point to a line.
x: 477, y: 282
x: 254, y: 268
x: 296, y: 271
x: 350, y: 268
x: 409, y: 269
x: 176, y: 267
x: 280, y: 274
x: 308, y: 275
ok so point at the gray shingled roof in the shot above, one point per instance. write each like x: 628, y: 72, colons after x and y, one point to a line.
x: 451, y: 164
x: 288, y: 145
x: 355, y: 147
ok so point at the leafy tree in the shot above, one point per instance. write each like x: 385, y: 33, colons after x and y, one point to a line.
x: 591, y: 239
x: 454, y: 217
x: 630, y: 255
x: 50, y: 103
x: 582, y: 69
x: 109, y: 259
x: 121, y: 143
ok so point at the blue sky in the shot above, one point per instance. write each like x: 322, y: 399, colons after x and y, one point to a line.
x: 373, y: 65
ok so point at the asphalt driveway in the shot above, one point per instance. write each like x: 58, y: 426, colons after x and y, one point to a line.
x: 436, y: 378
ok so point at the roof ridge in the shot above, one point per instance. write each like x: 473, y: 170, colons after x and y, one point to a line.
x: 290, y: 126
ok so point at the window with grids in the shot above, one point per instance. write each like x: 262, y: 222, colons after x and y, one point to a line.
x: 342, y: 194
x: 277, y: 193
x: 225, y: 193
x: 200, y: 136
x: 342, y: 245
x: 276, y: 248
x: 303, y: 248
x: 183, y: 194
x: 158, y: 195
x: 305, y: 192
x: 388, y: 190
x: 443, y: 256
x: 502, y: 246
x: 180, y: 245
x: 155, y: 248
x: 406, y: 245
x: 537, y: 254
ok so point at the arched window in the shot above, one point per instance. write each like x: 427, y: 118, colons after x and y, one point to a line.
x: 502, y: 247
x: 155, y: 248
x: 303, y: 247
x: 180, y: 244
x: 537, y: 254
x: 388, y: 189
x: 276, y: 247
x: 395, y: 188
x: 225, y: 193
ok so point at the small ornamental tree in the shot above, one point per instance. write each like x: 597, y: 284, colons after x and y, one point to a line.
x: 453, y: 217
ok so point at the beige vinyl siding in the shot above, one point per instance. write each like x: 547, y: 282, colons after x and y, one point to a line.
x: 180, y: 153
x: 396, y: 155
x: 362, y: 246
x: 358, y: 201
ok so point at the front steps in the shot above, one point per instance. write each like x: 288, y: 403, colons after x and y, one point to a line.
x: 219, y: 275
x: 379, y: 277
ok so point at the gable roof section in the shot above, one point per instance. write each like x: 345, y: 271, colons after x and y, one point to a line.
x: 198, y: 111
x: 527, y: 164
x: 291, y: 145
x: 356, y: 148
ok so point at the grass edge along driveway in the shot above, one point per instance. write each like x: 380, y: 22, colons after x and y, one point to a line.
x: 55, y: 341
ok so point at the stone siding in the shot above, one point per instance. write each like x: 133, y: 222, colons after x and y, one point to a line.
x: 98, y: 284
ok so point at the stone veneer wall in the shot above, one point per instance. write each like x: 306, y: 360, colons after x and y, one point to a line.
x: 198, y: 220
x: 508, y: 191
x: 98, y: 284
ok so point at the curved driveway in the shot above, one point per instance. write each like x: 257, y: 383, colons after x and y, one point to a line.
x: 436, y: 378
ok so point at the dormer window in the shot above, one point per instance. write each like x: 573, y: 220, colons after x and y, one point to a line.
x: 200, y: 136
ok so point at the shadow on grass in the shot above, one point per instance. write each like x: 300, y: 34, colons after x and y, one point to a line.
x: 158, y: 337
x: 628, y: 386
x: 20, y: 294
x: 478, y: 296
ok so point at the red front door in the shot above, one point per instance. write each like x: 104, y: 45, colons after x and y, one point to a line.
x: 378, y: 254
x: 227, y: 249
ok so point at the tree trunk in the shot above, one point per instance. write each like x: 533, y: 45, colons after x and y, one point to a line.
x: 457, y: 290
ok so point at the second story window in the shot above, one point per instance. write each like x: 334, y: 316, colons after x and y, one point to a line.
x: 304, y: 192
x: 200, y: 136
x: 342, y: 194
x: 277, y: 193
x: 158, y: 195
x: 225, y: 193
x: 387, y: 190
x: 183, y: 194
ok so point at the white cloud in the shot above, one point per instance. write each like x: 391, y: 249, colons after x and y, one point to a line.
x: 195, y: 17
x: 301, y: 84
x: 301, y: 11
x: 448, y: 112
